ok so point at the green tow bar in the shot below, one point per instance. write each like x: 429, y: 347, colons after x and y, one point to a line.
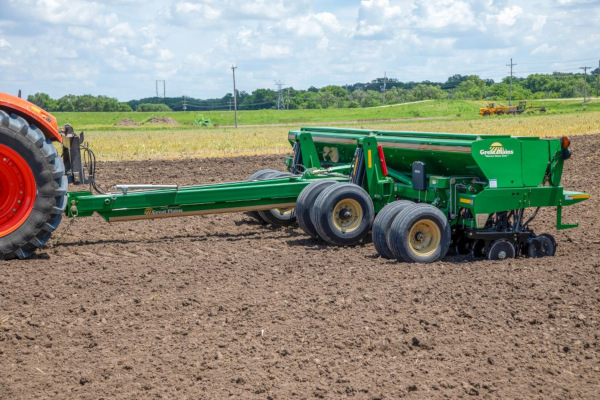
x: 189, y: 200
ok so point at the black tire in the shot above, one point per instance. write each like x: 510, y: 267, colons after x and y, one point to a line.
x: 501, y: 249
x: 420, y: 233
x: 463, y: 245
x: 382, y: 224
x: 51, y: 185
x: 306, y: 201
x: 500, y: 112
x: 259, y: 176
x: 343, y: 214
x: 276, y: 216
x: 540, y: 246
x: 552, y: 240
x: 478, y: 249
x: 487, y: 113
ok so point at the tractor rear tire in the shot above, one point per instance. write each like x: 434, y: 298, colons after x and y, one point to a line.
x: 382, y: 224
x: 343, y: 214
x: 305, y: 203
x: 33, y: 186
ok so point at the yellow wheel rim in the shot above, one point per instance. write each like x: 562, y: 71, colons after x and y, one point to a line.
x: 347, y: 215
x: 424, y: 237
x: 285, y: 212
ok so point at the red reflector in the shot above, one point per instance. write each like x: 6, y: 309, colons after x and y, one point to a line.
x: 382, y: 160
x: 565, y: 142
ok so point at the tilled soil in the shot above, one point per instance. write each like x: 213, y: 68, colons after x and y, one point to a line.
x: 222, y: 306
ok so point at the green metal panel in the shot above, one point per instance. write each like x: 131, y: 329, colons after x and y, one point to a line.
x: 500, y: 161
x: 535, y: 155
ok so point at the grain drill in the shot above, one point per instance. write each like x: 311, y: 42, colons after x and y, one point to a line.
x: 419, y: 194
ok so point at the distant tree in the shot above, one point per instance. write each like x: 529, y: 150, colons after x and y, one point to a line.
x: 472, y: 88
x: 333, y: 96
x: 67, y: 103
x: 124, y: 107
x: 454, y: 81
x: 44, y: 101
x: 427, y: 92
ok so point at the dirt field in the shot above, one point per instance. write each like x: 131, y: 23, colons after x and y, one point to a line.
x: 223, y: 307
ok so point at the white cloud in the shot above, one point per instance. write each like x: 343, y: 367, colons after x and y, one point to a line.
x: 273, y: 51
x: 544, y: 48
x: 377, y: 19
x: 508, y: 16
x: 117, y: 46
x: 438, y: 14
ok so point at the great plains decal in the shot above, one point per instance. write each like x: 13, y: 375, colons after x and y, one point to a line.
x: 151, y: 211
x: 496, y: 150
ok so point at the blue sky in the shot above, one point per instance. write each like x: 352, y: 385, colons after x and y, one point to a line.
x: 120, y: 48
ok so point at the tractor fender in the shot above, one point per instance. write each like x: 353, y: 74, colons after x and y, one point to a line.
x: 46, y: 122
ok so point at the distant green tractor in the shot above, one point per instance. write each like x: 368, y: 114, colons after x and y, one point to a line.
x: 201, y: 121
x: 522, y: 107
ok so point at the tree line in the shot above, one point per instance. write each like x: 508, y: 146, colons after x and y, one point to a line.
x: 370, y: 94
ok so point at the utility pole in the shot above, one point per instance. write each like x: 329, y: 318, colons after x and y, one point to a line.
x: 511, y: 65
x: 584, y: 82
x: 384, y: 86
x: 288, y: 99
x: 234, y: 94
x: 184, y: 104
x: 280, y: 105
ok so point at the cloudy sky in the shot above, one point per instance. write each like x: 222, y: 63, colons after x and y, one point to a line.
x: 120, y: 48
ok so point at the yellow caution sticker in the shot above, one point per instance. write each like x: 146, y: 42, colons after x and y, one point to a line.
x: 466, y: 201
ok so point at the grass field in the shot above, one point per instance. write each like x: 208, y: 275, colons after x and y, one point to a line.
x: 449, y: 109
x: 112, y: 143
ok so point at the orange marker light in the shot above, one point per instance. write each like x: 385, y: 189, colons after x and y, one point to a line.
x: 565, y: 142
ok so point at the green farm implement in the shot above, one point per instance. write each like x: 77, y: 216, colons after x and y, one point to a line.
x: 419, y: 194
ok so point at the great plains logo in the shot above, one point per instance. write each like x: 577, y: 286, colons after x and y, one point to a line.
x: 151, y: 211
x: 496, y: 150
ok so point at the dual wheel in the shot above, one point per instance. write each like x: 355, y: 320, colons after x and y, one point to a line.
x: 338, y: 213
x: 411, y: 232
x: 275, y: 216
